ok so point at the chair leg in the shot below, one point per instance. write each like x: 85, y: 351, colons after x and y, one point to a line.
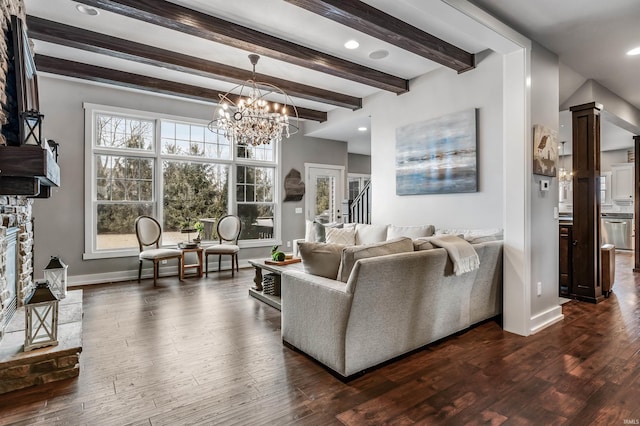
x: 156, y: 268
x: 206, y: 264
x: 180, y: 269
x: 233, y: 266
x: 219, y: 260
x: 237, y: 267
x: 139, y: 270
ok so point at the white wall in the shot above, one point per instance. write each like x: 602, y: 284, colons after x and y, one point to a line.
x: 545, y: 92
x: 59, y: 220
x: 432, y: 95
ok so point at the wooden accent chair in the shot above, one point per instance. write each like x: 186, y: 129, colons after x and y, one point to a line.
x: 148, y: 232
x: 228, y: 230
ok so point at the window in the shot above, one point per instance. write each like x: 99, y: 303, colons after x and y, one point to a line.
x: 356, y: 184
x: 254, y: 195
x: 177, y: 171
x: 124, y: 178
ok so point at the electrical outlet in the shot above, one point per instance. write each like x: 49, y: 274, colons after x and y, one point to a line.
x: 539, y: 288
x: 288, y: 243
x: 164, y: 262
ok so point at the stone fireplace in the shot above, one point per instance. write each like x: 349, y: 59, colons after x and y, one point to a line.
x: 15, y: 211
x: 16, y: 254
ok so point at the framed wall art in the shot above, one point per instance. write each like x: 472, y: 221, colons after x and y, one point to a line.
x: 545, y: 151
x: 438, y: 156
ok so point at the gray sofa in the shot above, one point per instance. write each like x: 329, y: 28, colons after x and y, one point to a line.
x: 389, y: 306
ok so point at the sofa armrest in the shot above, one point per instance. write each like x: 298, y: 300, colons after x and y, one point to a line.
x: 315, y: 312
x: 296, y: 249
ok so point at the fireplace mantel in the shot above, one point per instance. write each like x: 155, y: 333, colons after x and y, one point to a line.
x: 27, y: 170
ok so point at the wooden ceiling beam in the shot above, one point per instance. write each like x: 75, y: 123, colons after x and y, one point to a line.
x: 376, y: 23
x: 136, y: 81
x: 188, y: 21
x: 65, y: 35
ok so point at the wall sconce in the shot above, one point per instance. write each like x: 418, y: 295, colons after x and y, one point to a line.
x: 32, y: 123
x: 41, y: 318
x: 55, y: 273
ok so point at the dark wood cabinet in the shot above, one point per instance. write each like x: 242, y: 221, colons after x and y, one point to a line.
x: 566, y: 254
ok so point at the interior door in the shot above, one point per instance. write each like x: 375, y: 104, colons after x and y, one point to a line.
x: 325, y: 186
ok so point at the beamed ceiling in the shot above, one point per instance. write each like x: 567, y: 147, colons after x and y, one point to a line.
x: 198, y: 49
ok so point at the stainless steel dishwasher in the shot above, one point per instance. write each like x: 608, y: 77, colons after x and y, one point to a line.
x: 617, y: 229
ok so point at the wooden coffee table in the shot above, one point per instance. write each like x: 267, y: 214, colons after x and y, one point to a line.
x: 258, y: 292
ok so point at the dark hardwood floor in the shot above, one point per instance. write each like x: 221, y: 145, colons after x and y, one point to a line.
x: 204, y: 352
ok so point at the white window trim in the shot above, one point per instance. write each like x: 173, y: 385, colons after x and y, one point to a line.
x: 90, y: 111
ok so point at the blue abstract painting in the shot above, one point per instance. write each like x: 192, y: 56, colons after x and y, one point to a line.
x: 437, y: 156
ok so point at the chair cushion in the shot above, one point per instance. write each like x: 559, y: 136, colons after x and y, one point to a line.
x: 222, y: 249
x: 351, y: 254
x: 160, y: 253
x: 321, y: 259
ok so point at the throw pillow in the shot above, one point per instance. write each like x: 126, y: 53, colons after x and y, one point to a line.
x: 351, y: 254
x: 321, y: 259
x: 309, y: 231
x: 369, y: 234
x: 345, y: 236
x: 422, y: 244
x: 320, y: 230
x: 410, y: 231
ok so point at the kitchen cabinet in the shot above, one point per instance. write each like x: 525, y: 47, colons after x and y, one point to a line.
x: 622, y: 181
x: 566, y: 244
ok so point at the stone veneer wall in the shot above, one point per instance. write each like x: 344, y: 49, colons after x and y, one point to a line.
x: 14, y: 211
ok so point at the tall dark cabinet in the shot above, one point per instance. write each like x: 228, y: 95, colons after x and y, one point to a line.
x: 566, y: 243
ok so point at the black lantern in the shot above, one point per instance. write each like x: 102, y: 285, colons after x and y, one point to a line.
x: 32, y: 124
x: 41, y: 318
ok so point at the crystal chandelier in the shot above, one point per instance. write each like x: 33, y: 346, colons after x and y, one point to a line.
x: 246, y: 117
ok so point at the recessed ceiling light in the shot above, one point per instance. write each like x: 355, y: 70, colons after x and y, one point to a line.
x: 634, y: 51
x: 352, y: 44
x: 86, y: 10
x: 362, y: 129
x: 379, y: 54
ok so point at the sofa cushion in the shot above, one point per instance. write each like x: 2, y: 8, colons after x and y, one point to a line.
x: 344, y: 236
x: 473, y: 236
x: 369, y: 234
x: 423, y: 243
x: 351, y: 254
x: 321, y: 258
x: 410, y: 231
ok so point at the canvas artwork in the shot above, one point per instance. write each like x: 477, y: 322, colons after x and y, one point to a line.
x: 437, y: 156
x: 545, y: 151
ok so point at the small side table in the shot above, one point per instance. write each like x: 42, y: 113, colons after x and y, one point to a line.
x: 197, y: 266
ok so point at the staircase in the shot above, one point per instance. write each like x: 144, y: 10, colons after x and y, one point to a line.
x: 360, y: 207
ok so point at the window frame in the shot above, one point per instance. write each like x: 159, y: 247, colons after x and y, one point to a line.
x: 90, y: 174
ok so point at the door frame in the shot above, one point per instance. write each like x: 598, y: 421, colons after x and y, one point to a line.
x: 308, y: 202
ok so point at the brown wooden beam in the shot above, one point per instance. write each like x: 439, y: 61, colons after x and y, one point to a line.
x: 65, y: 35
x: 188, y: 21
x: 374, y: 22
x: 137, y: 81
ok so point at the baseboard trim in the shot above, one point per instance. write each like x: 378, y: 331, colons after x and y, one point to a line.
x: 147, y: 273
x: 546, y: 318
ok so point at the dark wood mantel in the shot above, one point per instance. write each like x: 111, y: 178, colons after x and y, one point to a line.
x: 27, y: 170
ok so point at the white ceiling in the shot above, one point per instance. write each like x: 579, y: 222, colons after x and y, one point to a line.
x: 590, y: 36
x: 277, y: 18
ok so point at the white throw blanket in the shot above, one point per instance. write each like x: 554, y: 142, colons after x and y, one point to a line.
x: 462, y: 254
